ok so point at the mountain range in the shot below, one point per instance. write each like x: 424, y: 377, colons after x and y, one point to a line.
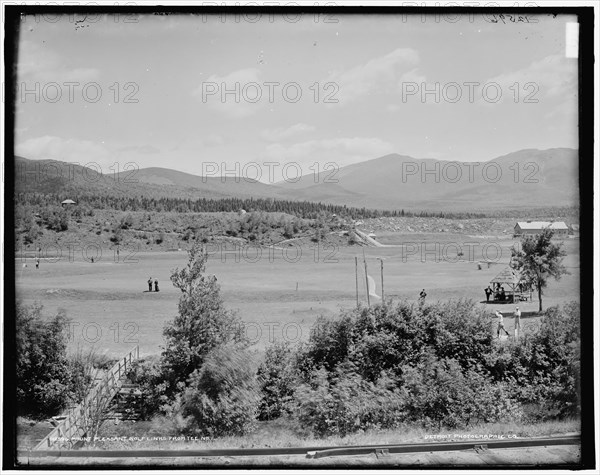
x: 523, y: 179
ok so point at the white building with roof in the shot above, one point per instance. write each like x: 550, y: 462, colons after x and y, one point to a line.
x: 536, y: 227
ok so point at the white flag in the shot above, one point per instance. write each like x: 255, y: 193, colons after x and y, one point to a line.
x: 372, y: 287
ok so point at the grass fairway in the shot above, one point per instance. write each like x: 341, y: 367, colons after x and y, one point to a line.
x: 278, y: 295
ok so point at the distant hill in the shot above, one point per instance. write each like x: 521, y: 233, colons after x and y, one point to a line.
x: 208, y: 187
x: 51, y: 176
x: 524, y: 179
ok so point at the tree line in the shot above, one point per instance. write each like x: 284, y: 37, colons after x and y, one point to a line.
x: 301, y: 209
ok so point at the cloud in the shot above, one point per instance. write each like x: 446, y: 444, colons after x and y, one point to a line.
x: 286, y: 133
x: 232, y: 96
x: 195, y: 144
x: 553, y: 77
x: 212, y: 140
x: 377, y: 75
x: 411, y: 76
x: 42, y: 64
x: 141, y: 149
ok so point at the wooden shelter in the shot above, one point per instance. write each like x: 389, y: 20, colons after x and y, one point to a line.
x: 518, y: 288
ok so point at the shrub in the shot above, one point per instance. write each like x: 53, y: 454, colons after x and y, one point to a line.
x: 56, y: 218
x: 222, y: 397
x: 188, y: 235
x: 148, y: 374
x: 46, y: 378
x: 386, y: 337
x: 544, y: 367
x: 32, y: 234
x: 460, y: 330
x: 278, y: 378
x: 425, y: 364
x: 288, y: 230
x: 342, y: 402
x: 117, y: 236
x: 329, y: 344
x: 438, y: 392
x: 126, y: 222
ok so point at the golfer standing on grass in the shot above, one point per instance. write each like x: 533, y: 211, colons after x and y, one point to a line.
x: 501, y: 323
x: 517, y: 322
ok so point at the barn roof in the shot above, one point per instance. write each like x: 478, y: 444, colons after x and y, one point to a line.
x: 507, y: 275
x: 542, y: 225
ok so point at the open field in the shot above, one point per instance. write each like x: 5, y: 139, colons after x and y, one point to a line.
x: 278, y: 293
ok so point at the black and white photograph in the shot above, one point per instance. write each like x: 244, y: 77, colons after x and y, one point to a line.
x: 300, y: 235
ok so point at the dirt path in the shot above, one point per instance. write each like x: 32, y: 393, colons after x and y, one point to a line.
x: 369, y: 240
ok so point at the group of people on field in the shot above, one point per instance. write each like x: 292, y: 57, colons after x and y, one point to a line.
x: 155, y: 285
x: 498, y: 293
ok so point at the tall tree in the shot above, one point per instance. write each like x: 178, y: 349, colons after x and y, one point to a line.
x: 203, y: 323
x: 538, y: 259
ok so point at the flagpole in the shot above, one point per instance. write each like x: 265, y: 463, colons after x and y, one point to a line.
x: 382, y: 294
x: 367, y: 279
x: 356, y: 276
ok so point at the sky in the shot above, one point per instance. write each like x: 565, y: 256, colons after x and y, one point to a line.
x: 212, y: 95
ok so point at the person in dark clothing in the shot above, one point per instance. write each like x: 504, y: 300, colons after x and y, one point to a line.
x: 156, y: 285
x: 150, y: 284
x: 488, y: 293
x: 422, y: 296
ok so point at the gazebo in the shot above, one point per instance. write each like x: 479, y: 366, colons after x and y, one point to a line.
x: 513, y: 279
x: 67, y: 203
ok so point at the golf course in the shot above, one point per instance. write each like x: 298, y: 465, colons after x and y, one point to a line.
x: 278, y: 292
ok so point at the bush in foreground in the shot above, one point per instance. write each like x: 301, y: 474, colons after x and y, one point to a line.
x: 439, y: 393
x: 389, y: 337
x: 222, y: 397
x: 343, y: 402
x: 442, y: 365
x: 543, y: 368
x: 278, y: 377
x: 47, y: 378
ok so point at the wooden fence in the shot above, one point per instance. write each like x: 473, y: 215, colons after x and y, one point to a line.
x: 87, y: 415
